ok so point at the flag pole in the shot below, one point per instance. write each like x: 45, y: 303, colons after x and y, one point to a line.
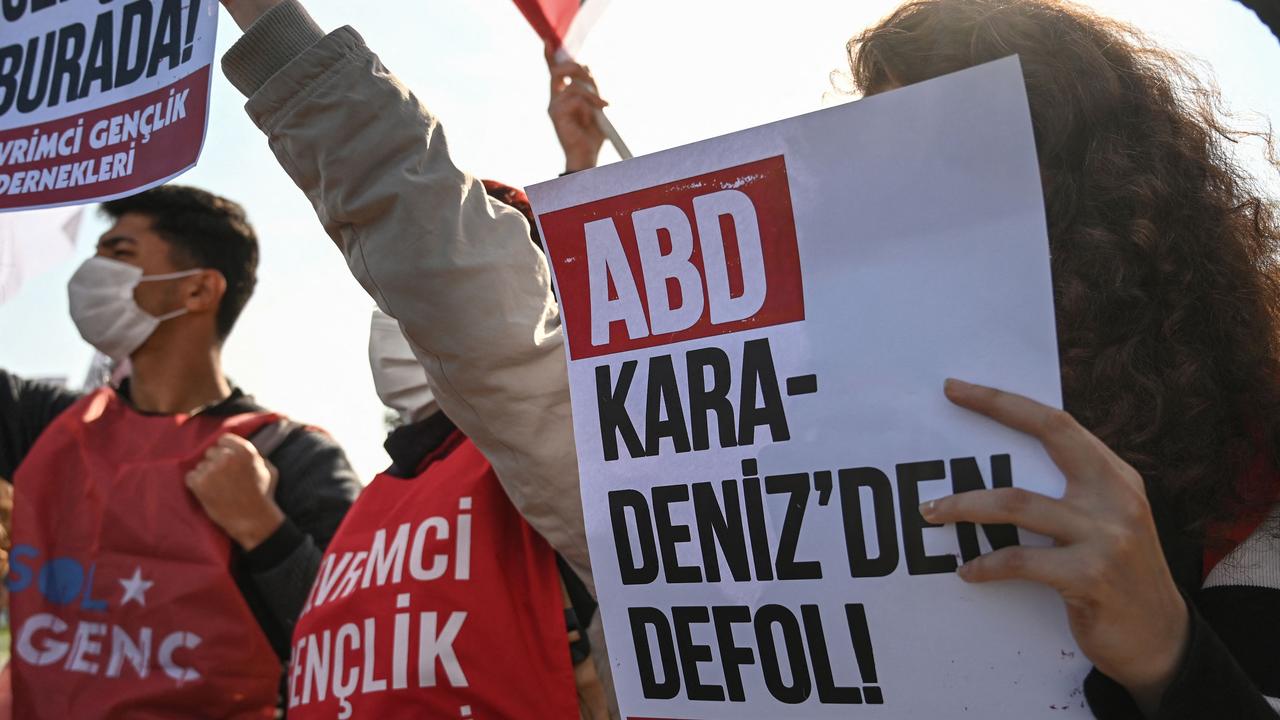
x: 610, y: 132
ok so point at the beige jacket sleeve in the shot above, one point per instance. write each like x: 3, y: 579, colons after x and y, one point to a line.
x: 456, y: 268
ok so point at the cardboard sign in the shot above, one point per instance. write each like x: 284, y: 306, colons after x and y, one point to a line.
x: 758, y: 329
x: 100, y: 99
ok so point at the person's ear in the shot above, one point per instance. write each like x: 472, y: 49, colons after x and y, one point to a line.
x: 203, y: 292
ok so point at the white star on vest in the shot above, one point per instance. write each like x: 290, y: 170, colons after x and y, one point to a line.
x: 135, y: 588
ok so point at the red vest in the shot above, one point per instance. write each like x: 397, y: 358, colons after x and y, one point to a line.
x: 122, y: 598
x: 435, y: 599
x: 1261, y: 485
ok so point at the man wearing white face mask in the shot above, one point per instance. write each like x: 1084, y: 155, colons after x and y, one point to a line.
x: 145, y: 579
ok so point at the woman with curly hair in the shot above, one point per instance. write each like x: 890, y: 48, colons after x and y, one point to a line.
x: 1168, y: 299
x: 1167, y: 289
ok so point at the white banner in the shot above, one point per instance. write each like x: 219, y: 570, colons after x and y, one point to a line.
x: 31, y: 242
x: 100, y: 99
x: 758, y: 329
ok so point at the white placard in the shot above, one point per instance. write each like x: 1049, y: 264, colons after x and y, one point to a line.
x: 100, y: 98
x: 758, y: 329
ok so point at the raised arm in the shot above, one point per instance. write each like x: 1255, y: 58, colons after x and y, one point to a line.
x: 457, y: 269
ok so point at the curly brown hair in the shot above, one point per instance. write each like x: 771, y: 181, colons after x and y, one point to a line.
x: 1164, y: 252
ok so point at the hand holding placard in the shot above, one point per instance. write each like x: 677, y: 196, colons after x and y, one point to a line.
x: 121, y: 105
x: 752, y: 324
x: 1125, y: 610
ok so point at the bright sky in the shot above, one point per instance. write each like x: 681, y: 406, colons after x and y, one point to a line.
x: 676, y: 71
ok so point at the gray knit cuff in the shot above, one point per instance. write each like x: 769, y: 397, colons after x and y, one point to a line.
x: 270, y: 43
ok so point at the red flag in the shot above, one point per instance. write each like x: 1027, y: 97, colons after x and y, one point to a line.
x: 551, y: 18
x: 563, y: 24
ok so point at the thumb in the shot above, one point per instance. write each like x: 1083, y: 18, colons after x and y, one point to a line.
x: 237, y: 447
x: 192, y: 479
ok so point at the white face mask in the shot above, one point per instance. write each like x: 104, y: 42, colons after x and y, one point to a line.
x: 397, y: 375
x: 104, y: 310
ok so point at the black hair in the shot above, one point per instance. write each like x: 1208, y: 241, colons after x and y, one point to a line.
x: 203, y: 230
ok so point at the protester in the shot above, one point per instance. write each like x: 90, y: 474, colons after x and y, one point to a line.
x: 456, y: 267
x: 1167, y: 293
x: 437, y: 544
x: 139, y: 585
x: 1168, y: 304
x: 486, y: 330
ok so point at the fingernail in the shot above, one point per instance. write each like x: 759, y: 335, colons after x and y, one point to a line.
x: 958, y: 387
x: 964, y: 571
x: 927, y: 508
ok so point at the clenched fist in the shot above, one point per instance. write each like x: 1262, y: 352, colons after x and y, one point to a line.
x: 236, y: 485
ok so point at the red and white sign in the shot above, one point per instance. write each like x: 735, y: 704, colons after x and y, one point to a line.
x: 697, y: 257
x: 758, y: 328
x: 101, y: 100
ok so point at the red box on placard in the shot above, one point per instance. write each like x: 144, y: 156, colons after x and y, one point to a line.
x: 167, y: 150
x: 764, y: 274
